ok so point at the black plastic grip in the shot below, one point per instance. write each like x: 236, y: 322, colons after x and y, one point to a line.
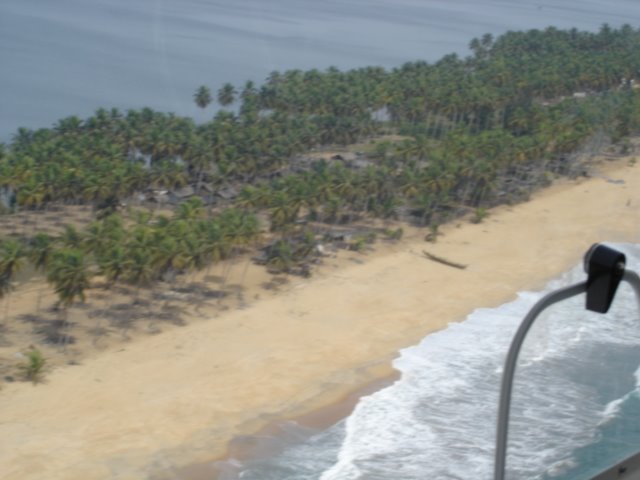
x: 605, y: 268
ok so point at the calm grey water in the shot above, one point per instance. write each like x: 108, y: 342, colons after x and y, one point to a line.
x: 63, y: 57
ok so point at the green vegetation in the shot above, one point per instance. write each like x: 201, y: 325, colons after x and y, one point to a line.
x: 393, y: 234
x: 434, y: 231
x: 479, y: 215
x: 290, y: 254
x: 33, y: 368
x: 359, y: 242
x: 439, y: 140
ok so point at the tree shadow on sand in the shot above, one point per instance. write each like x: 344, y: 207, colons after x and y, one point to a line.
x: 128, y: 317
x: 275, y: 283
x: 4, y: 333
x: 214, y: 279
x: 48, y: 330
x: 54, y: 332
x: 98, y: 333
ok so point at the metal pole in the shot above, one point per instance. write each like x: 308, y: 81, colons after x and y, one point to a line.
x: 633, y: 279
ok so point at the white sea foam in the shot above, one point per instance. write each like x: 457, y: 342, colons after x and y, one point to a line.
x: 611, y: 410
x: 561, y: 467
x: 438, y: 421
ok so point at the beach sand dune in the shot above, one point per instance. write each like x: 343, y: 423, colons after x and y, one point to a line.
x: 168, y: 400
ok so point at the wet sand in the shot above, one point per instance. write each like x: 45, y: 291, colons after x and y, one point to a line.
x: 170, y: 400
x: 271, y: 439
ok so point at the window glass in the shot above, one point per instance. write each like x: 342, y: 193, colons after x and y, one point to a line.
x: 293, y: 239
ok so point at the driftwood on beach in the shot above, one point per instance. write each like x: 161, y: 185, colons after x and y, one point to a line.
x: 444, y: 261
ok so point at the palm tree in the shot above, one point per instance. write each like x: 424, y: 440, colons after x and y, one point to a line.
x: 215, y: 245
x: 194, y: 252
x: 280, y: 256
x: 39, y: 254
x: 199, y: 157
x: 191, y: 209
x: 226, y: 95
x: 112, y: 263
x: 168, y: 175
x: 281, y: 213
x: 12, y: 255
x: 71, y: 237
x: 30, y: 195
x: 40, y: 249
x: 168, y: 254
x: 139, y: 267
x: 202, y: 97
x: 69, y: 275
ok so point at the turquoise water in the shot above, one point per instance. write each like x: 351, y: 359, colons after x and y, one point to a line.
x: 616, y: 440
x: 576, y: 404
x: 67, y: 57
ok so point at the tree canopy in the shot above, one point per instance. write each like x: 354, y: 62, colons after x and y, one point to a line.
x: 438, y: 138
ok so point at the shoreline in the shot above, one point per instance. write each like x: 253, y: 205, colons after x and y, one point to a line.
x: 260, y: 444
x: 302, y: 349
x: 256, y: 445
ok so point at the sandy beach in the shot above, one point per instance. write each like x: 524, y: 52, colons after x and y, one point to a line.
x: 165, y: 401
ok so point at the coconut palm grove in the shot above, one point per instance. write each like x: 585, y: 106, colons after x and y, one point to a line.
x: 426, y: 143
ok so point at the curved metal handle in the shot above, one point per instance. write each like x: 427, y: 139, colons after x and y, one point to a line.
x: 512, y: 357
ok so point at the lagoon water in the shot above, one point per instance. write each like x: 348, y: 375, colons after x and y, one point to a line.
x: 575, y: 408
x: 69, y: 57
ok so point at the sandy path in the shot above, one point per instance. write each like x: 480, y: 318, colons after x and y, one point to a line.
x: 176, y: 398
